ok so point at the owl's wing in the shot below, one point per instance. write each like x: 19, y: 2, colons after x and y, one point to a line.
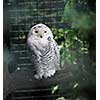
x: 57, y: 54
x: 33, y: 51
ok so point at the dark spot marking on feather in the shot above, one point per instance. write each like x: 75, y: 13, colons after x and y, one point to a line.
x: 39, y: 26
x: 49, y: 38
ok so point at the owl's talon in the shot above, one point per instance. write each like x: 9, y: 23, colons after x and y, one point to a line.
x: 36, y: 76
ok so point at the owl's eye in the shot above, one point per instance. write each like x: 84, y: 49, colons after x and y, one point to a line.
x: 36, y: 31
x: 34, y: 28
x: 45, y: 31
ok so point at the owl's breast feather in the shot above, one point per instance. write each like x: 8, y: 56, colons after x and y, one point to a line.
x: 39, y: 43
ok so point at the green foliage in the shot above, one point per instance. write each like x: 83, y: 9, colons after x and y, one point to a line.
x: 80, y: 15
x: 54, y: 89
x: 69, y: 43
x: 61, y: 98
x: 75, y: 85
x: 74, y: 42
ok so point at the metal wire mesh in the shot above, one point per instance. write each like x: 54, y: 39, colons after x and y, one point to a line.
x: 22, y: 15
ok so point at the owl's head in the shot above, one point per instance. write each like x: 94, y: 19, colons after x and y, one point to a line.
x: 41, y: 31
x: 39, y: 35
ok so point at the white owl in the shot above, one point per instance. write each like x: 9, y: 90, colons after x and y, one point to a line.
x: 45, y: 54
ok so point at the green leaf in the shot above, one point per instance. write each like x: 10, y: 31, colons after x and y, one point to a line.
x: 75, y: 85
x: 61, y: 98
x: 54, y: 89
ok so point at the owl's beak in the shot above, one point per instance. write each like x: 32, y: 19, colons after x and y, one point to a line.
x: 40, y: 35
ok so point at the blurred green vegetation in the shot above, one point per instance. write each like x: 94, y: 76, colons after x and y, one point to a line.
x: 69, y: 41
x: 78, y: 46
x: 81, y: 15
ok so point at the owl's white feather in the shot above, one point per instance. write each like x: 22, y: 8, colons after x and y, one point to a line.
x: 45, y: 54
